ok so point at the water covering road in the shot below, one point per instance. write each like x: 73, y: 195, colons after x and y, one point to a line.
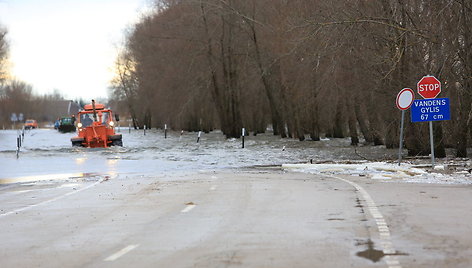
x: 48, y: 152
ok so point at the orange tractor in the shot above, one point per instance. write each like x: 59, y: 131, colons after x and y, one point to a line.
x: 96, y: 127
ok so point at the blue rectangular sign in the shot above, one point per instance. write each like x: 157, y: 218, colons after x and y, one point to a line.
x: 430, y: 110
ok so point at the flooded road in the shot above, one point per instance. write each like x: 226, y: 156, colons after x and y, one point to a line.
x: 174, y: 203
x: 48, y: 152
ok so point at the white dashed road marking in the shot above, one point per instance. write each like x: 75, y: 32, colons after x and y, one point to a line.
x: 50, y: 200
x: 188, y: 208
x: 384, y: 231
x: 120, y: 253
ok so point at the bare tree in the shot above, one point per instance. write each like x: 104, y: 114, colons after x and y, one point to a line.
x: 301, y: 65
x: 3, y: 54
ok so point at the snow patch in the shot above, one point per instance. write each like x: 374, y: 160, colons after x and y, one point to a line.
x: 385, y: 171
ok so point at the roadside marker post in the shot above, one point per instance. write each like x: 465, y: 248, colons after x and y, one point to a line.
x: 18, y: 145
x: 404, y: 100
x: 165, y: 131
x: 243, y: 134
x: 198, y: 138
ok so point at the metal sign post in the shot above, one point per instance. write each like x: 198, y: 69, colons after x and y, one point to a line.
x: 13, y: 118
x: 404, y: 100
x: 400, y: 147
x: 431, y: 140
x: 430, y: 109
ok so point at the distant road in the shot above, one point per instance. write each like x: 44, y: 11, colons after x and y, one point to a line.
x: 251, y: 218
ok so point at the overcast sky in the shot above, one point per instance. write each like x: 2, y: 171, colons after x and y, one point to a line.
x: 68, y: 45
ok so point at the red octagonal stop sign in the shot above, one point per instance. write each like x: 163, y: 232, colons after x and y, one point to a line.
x: 429, y: 87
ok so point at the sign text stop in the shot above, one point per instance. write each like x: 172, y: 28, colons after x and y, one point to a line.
x: 429, y: 87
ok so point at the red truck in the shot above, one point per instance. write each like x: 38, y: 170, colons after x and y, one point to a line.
x: 30, y: 123
x: 96, y: 127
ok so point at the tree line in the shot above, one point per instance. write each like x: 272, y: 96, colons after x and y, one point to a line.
x: 17, y: 97
x: 307, y: 68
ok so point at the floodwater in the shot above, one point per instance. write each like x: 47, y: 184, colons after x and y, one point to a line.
x: 48, y: 154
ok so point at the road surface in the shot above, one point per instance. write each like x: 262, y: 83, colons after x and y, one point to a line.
x: 245, y: 218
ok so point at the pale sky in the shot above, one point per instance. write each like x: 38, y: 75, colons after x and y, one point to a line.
x: 68, y: 45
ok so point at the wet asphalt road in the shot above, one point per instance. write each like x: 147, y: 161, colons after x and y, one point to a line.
x: 251, y: 218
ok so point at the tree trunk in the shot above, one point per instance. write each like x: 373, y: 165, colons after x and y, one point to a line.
x: 374, y: 124
x: 276, y: 115
x: 362, y: 120
x: 465, y: 92
x: 462, y: 128
x: 439, y: 150
x: 392, y: 138
x: 338, y: 128
x: 411, y: 142
x: 216, y: 92
x: 314, y: 122
x: 352, y: 122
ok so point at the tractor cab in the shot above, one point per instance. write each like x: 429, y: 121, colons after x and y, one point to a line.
x: 96, y: 127
x: 65, y: 124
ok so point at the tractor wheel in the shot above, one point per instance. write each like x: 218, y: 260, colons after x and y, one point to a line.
x: 117, y: 143
x: 76, y: 143
x: 116, y: 140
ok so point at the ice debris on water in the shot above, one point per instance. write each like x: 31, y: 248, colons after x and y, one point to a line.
x: 385, y: 171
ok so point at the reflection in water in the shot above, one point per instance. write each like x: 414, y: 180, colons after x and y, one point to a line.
x: 42, y: 178
x: 80, y: 160
x: 112, y: 164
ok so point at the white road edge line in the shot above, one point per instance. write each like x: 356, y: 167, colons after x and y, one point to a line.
x: 188, y: 208
x: 382, y: 227
x: 121, y: 252
x: 50, y: 200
